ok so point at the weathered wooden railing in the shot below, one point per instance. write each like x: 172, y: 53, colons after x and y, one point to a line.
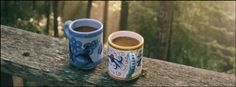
x: 44, y: 60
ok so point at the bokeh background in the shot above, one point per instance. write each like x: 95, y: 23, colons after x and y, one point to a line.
x: 194, y: 33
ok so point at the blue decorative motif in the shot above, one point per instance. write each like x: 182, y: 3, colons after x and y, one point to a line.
x: 100, y: 48
x: 79, y: 52
x: 139, y: 56
x: 116, y: 61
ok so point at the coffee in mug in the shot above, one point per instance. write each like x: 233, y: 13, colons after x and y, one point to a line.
x: 125, y: 41
x: 85, y: 29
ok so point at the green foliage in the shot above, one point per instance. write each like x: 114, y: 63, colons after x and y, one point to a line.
x: 143, y: 20
x: 206, y: 36
x: 203, y: 33
x: 32, y: 15
x: 19, y: 14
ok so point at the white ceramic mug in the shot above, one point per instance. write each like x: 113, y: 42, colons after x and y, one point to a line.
x: 124, y: 62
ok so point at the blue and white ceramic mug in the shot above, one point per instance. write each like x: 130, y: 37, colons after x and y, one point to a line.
x: 85, y: 48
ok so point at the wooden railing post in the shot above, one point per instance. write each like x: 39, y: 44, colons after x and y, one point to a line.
x: 17, y: 81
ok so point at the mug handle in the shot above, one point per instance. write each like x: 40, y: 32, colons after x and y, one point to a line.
x: 132, y: 65
x: 66, y: 28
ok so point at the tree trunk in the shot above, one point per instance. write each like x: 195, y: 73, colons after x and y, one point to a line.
x: 89, y: 6
x: 170, y: 35
x: 47, y: 12
x: 55, y: 15
x: 34, y: 5
x: 105, y: 15
x: 62, y: 9
x: 164, y: 24
x: 4, y: 19
x: 124, y: 15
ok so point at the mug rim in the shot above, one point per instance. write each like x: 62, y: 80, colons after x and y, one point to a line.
x: 125, y: 47
x: 85, y: 19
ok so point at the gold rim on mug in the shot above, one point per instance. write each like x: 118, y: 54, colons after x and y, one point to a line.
x: 125, y: 47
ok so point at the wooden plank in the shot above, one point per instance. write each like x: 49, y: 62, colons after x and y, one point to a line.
x: 44, y: 59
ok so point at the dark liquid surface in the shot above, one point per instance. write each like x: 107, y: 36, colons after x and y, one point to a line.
x: 85, y: 29
x: 125, y: 41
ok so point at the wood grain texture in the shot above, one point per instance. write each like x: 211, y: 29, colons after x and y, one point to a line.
x: 44, y: 60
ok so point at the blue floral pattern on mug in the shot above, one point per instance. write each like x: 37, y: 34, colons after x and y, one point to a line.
x: 80, y: 52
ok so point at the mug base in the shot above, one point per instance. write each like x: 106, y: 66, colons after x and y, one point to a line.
x: 133, y: 79
x: 89, y: 68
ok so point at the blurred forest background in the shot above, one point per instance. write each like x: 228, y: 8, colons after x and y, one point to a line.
x: 195, y: 33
